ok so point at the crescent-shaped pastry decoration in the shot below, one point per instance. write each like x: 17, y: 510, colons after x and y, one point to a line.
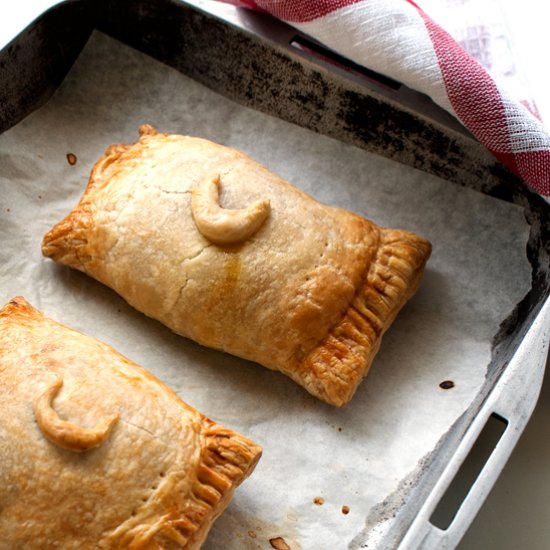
x: 220, y: 225
x: 66, y: 434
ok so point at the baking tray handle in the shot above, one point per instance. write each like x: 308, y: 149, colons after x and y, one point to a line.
x: 513, y: 400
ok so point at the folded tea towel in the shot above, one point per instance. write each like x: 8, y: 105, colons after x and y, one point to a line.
x: 398, y: 39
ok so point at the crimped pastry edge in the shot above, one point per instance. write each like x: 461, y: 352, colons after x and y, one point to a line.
x: 334, y: 369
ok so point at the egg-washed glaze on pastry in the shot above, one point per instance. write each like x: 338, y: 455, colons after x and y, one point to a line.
x: 96, y: 453
x: 295, y: 285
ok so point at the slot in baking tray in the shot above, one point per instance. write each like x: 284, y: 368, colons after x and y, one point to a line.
x: 480, y: 318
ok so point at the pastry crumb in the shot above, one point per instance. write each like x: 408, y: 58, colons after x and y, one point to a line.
x: 71, y: 159
x: 345, y: 510
x: 252, y: 534
x: 279, y: 544
x: 319, y: 501
x: 447, y: 385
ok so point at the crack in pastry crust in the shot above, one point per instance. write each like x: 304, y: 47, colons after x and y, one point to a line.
x: 310, y: 293
x: 157, y: 482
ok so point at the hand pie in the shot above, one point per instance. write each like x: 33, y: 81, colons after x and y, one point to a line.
x: 223, y: 251
x: 95, y: 452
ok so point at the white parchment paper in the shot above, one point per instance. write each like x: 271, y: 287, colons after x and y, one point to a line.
x: 352, y: 457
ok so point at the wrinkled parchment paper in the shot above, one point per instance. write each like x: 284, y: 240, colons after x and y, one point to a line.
x: 352, y: 457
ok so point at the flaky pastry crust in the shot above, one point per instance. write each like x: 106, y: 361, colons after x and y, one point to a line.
x: 309, y: 290
x: 156, y: 480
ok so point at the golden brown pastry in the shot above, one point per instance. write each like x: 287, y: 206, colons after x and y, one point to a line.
x: 96, y: 453
x: 223, y: 251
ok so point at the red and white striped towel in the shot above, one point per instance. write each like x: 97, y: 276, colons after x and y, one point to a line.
x: 398, y: 39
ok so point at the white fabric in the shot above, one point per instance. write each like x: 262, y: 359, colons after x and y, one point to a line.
x: 401, y: 46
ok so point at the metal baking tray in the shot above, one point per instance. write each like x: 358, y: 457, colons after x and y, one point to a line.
x: 264, y: 65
